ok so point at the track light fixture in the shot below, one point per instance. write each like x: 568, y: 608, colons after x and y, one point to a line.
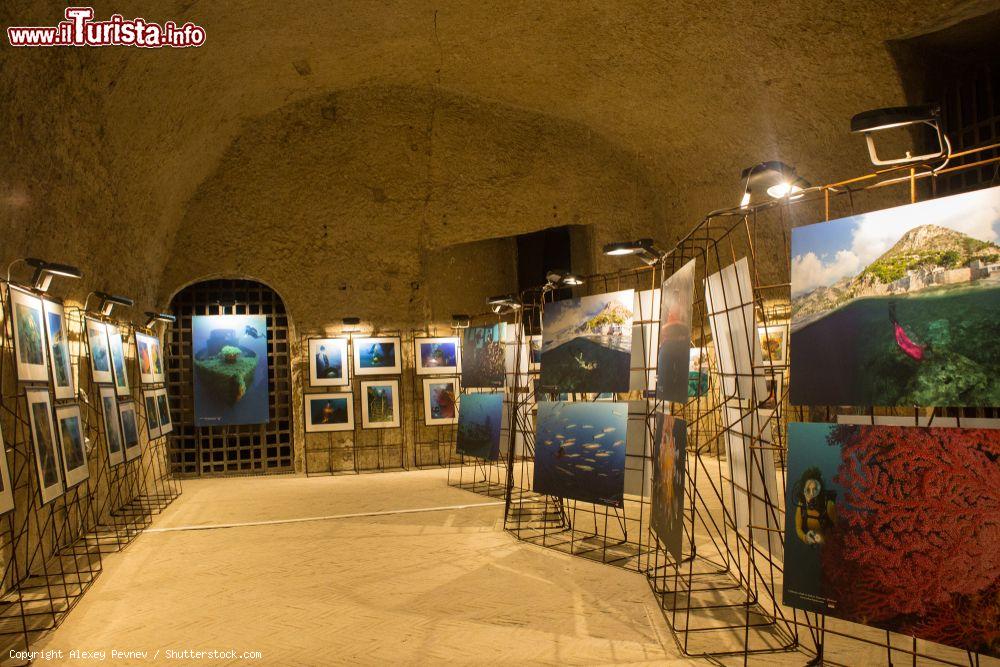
x: 775, y: 179
x: 351, y: 324
x: 109, y: 301
x: 498, y: 304
x: 879, y: 120
x: 460, y: 321
x: 561, y: 278
x: 154, y: 317
x: 644, y: 249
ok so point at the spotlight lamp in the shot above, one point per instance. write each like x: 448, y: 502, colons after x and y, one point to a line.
x: 560, y: 278
x: 154, y: 317
x: 109, y: 301
x: 460, y: 321
x: 351, y: 324
x: 879, y: 120
x: 775, y: 179
x: 644, y: 249
x: 498, y: 304
x: 45, y: 271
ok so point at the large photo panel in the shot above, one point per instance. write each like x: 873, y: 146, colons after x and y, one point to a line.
x: 230, y: 369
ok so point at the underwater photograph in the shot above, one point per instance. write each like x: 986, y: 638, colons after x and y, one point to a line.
x: 483, y: 356
x: 163, y: 408
x: 329, y: 412
x: 676, y: 300
x: 328, y: 362
x: 899, y: 307
x: 669, y: 454
x: 130, y: 429
x: 71, y: 438
x: 47, y: 459
x: 895, y: 527
x: 230, y: 369
x: 100, y: 358
x: 112, y: 425
x: 373, y: 356
x: 479, y: 421
x: 62, y: 371
x: 440, y: 403
x: 587, y: 343
x: 117, y: 353
x: 580, y: 451
x: 437, y: 355
x: 152, y: 418
x: 381, y: 404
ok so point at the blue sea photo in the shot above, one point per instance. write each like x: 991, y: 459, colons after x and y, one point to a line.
x: 479, y: 421
x: 230, y: 369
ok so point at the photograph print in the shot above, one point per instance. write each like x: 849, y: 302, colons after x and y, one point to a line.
x: 328, y: 365
x: 43, y: 439
x: 112, y: 426
x: 377, y: 356
x: 676, y: 301
x: 483, y: 356
x: 380, y: 404
x: 6, y: 488
x: 773, y: 340
x: 130, y: 429
x: 669, y: 454
x: 163, y: 411
x: 230, y: 369
x: 437, y: 356
x: 100, y: 354
x: 580, y: 450
x: 58, y: 336
x: 534, y: 352
x: 152, y: 414
x: 899, y: 306
x: 587, y: 343
x: 895, y: 527
x: 117, y: 353
x: 440, y: 401
x: 480, y: 418
x: 698, y: 368
x: 150, y: 360
x: 29, y: 336
x: 69, y: 424
x: 329, y: 412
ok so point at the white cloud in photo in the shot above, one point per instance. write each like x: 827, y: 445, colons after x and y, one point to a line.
x: 810, y: 272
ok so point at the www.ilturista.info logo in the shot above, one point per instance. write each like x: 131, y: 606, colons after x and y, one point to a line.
x: 80, y: 29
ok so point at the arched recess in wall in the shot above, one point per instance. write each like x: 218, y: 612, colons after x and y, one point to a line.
x: 243, y: 449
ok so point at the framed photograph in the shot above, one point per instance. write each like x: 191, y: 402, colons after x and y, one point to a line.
x: 7, y: 492
x: 62, y: 370
x: 130, y: 429
x: 230, y: 369
x: 380, y: 404
x: 112, y: 426
x: 147, y: 349
x: 534, y: 353
x: 328, y: 365
x: 29, y: 336
x: 437, y: 356
x: 100, y: 355
x: 117, y: 352
x: 329, y: 412
x: 377, y: 356
x: 43, y: 438
x: 70, y: 427
x: 152, y: 414
x: 440, y: 401
x: 773, y: 343
x: 163, y: 411
x: 483, y: 356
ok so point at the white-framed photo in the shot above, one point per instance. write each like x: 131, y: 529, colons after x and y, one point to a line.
x: 377, y: 356
x: 773, y: 343
x: 43, y: 438
x: 117, y: 351
x: 130, y: 429
x: 328, y: 362
x: 100, y: 354
x: 112, y: 426
x: 29, y: 336
x: 152, y: 414
x: 163, y: 411
x: 329, y: 412
x: 7, y: 492
x: 57, y: 334
x: 437, y: 356
x: 147, y: 351
x: 69, y: 424
x: 380, y: 404
x: 441, y: 400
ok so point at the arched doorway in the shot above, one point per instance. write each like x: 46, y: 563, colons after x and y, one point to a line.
x: 245, y: 449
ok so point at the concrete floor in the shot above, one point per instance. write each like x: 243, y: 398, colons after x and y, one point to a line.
x: 405, y: 588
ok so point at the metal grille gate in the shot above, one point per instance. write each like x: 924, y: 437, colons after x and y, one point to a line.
x: 230, y: 450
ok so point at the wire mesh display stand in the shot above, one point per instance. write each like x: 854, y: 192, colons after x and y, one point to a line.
x: 360, y: 450
x: 613, y: 535
x: 433, y: 444
x: 163, y: 487
x: 722, y: 599
x: 49, y: 563
x: 482, y: 476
